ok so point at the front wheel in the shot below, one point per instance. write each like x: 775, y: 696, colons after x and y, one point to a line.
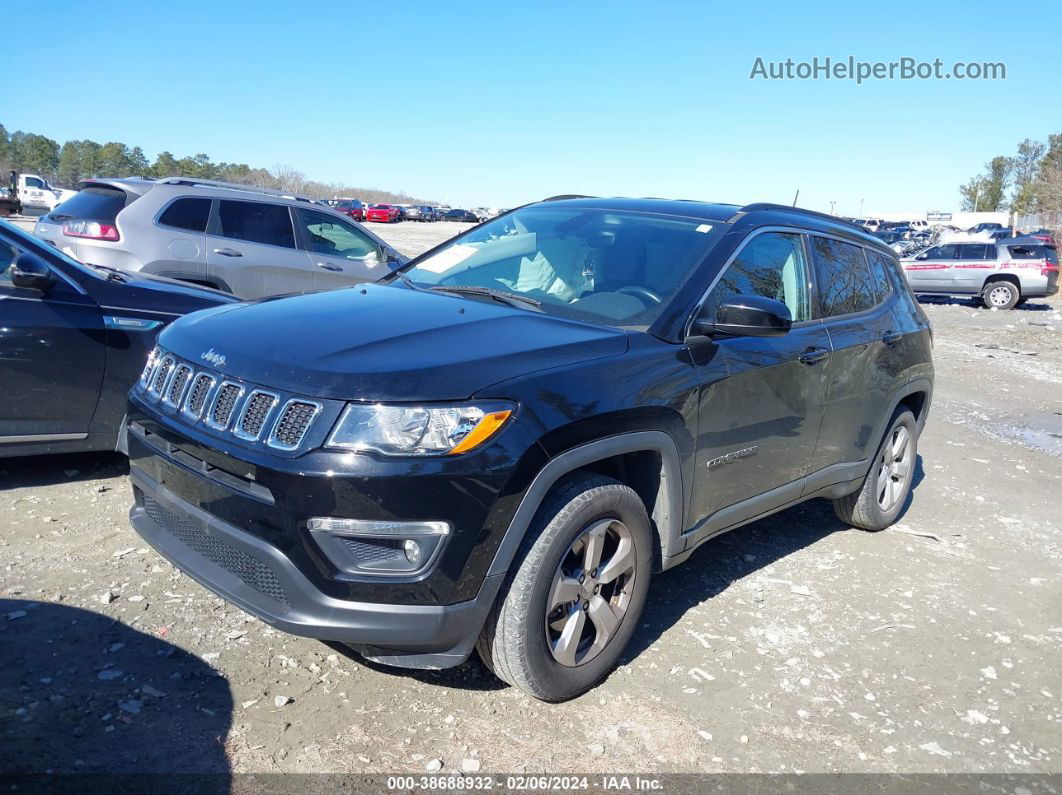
x: 878, y: 502
x: 573, y: 600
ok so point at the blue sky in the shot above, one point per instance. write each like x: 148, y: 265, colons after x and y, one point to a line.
x: 501, y: 103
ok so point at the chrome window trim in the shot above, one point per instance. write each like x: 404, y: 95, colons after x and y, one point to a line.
x: 243, y: 411
x: 271, y: 440
x: 195, y: 417
x: 213, y: 401
x: 173, y: 377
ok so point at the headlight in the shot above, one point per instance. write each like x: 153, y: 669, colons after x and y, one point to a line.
x: 418, y: 430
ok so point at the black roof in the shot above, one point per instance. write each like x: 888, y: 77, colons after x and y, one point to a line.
x: 757, y: 214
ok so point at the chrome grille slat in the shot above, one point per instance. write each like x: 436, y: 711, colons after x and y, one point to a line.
x: 256, y: 410
x: 197, y: 395
x: 175, y: 392
x: 251, y: 413
x: 162, y: 373
x: 293, y: 423
x: 224, y: 405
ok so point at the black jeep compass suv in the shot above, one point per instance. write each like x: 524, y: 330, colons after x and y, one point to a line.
x: 498, y: 448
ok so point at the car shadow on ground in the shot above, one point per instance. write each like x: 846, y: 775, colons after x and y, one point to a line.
x: 725, y: 559
x: 83, y: 693
x: 49, y: 470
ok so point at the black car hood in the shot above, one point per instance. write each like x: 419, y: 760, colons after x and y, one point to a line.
x: 137, y: 293
x: 384, y: 343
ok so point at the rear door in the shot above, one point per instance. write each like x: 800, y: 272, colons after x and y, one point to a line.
x: 861, y: 373
x: 931, y: 271
x: 973, y: 264
x: 52, y: 357
x: 251, y: 250
x: 339, y: 253
x: 179, y: 247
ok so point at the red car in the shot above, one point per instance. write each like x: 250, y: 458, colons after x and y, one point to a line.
x: 384, y: 213
x: 350, y: 207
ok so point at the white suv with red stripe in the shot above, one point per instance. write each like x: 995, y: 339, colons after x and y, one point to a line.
x: 1003, y: 273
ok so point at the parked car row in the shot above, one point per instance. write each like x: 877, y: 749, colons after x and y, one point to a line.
x: 249, y: 242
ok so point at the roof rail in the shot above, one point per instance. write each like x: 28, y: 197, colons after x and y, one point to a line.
x: 213, y: 183
x: 563, y: 196
x: 748, y: 208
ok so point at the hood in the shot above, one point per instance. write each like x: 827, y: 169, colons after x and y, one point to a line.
x: 385, y: 343
x: 143, y: 291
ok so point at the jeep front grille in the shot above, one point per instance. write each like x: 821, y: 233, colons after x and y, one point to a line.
x: 178, y: 384
x: 158, y: 381
x: 224, y: 404
x: 294, y: 421
x: 254, y: 415
x: 197, y: 395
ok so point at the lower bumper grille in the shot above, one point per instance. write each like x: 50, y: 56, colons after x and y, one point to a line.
x: 253, y: 573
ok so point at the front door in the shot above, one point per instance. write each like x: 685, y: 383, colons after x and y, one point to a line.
x: 339, y: 253
x: 931, y: 271
x: 251, y: 250
x: 52, y: 356
x: 758, y: 425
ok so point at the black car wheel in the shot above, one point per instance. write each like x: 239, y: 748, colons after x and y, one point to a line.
x: 573, y: 600
x: 881, y: 498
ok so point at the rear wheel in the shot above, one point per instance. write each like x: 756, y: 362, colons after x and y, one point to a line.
x: 569, y: 608
x: 1001, y: 295
x: 878, y: 502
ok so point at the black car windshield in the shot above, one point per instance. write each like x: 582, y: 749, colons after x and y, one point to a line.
x: 598, y: 265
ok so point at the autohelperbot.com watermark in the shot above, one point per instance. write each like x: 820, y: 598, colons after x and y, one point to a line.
x: 850, y: 68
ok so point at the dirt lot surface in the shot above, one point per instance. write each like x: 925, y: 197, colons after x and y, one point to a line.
x: 794, y: 644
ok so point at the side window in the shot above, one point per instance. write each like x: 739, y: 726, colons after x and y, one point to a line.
x: 771, y: 265
x: 8, y: 253
x: 880, y: 265
x: 34, y: 182
x: 326, y: 234
x: 256, y: 222
x: 990, y: 251
x: 1027, y: 252
x: 190, y: 214
x: 843, y: 277
x: 972, y: 251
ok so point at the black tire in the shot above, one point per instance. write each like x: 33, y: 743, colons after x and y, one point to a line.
x: 1021, y: 302
x: 864, y: 508
x: 1001, y: 294
x: 514, y: 642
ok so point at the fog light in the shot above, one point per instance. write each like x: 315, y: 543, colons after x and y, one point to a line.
x: 412, y: 550
x: 378, y: 548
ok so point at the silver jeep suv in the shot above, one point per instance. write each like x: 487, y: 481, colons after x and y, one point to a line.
x: 243, y: 240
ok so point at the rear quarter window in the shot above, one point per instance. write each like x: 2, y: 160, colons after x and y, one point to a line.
x: 96, y: 203
x: 1029, y: 252
x: 880, y: 267
x: 190, y: 214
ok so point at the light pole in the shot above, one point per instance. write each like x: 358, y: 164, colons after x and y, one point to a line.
x: 860, y: 208
x: 832, y: 205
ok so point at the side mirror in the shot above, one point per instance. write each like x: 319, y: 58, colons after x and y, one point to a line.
x: 923, y: 255
x: 747, y: 316
x: 31, y: 272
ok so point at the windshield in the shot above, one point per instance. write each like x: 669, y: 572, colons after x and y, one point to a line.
x: 602, y: 266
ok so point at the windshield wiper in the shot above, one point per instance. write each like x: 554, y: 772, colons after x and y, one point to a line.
x: 112, y: 274
x: 512, y: 299
x: 59, y: 216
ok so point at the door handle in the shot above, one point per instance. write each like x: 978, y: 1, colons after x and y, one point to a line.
x: 328, y: 266
x: 813, y: 355
x: 891, y: 337
x: 228, y: 252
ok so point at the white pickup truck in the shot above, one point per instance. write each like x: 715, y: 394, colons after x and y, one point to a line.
x: 35, y: 193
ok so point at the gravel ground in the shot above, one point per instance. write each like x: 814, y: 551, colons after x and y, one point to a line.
x: 793, y: 644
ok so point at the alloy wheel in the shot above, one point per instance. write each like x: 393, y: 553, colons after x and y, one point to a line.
x: 591, y: 592
x: 894, y: 468
x: 999, y: 296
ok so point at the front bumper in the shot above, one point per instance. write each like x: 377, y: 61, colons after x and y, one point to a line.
x: 258, y: 578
